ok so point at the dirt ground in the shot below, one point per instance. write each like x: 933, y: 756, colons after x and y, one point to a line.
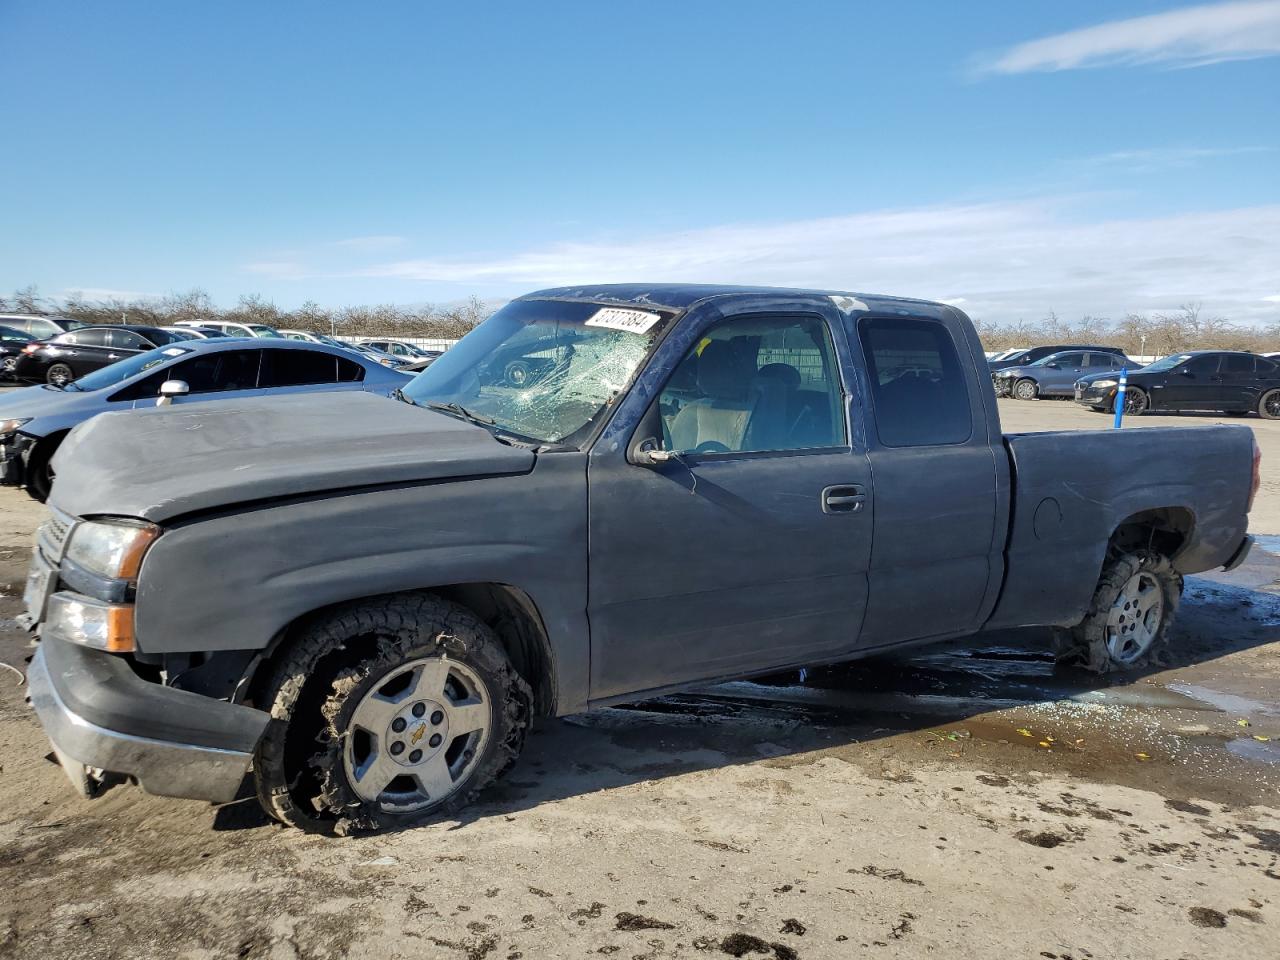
x: 968, y: 801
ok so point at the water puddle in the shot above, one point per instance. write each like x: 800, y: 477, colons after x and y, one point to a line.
x: 1269, y: 542
x: 1259, y: 751
x: 1226, y: 702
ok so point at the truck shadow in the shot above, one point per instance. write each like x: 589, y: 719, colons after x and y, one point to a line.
x: 982, y: 685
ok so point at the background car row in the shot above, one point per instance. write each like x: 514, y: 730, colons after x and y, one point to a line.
x: 34, y: 421
x: 1222, y: 381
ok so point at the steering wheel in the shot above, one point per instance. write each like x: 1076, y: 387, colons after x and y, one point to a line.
x: 711, y: 446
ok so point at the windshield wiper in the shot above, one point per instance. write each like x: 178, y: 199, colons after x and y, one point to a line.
x: 398, y: 394
x: 458, y: 410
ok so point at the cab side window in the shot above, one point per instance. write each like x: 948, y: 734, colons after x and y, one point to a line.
x: 756, y: 384
x: 1202, y: 366
x: 1238, y: 363
x: 296, y: 368
x: 918, y: 387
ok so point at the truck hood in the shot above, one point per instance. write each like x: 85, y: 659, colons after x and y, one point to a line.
x: 162, y: 462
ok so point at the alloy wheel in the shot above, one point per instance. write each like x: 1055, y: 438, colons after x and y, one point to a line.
x: 415, y: 736
x: 1135, y: 618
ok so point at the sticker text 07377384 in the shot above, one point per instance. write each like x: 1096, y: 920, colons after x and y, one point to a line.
x: 619, y: 318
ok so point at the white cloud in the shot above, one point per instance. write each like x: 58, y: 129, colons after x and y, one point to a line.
x: 1190, y: 37
x: 1003, y: 260
x: 1152, y: 159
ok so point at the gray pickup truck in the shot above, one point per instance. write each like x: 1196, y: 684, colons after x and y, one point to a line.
x: 367, y: 601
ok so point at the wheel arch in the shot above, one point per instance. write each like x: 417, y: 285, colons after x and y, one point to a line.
x: 508, y: 610
x: 1163, y: 530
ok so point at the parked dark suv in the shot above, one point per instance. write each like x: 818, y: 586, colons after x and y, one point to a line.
x: 1032, y: 354
x: 1234, y: 383
x: 71, y: 355
x: 40, y: 328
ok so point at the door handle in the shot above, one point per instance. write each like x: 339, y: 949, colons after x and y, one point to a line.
x: 843, y: 498
x: 112, y: 356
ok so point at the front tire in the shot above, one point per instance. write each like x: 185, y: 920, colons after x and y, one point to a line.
x: 1026, y: 390
x: 1269, y: 405
x: 59, y: 375
x: 388, y: 712
x: 39, y: 475
x: 1127, y: 625
x: 1136, y: 402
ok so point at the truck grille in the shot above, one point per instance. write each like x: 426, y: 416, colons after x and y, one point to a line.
x: 53, y: 533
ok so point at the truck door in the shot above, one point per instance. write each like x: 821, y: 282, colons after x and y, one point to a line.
x: 940, y: 477
x: 750, y: 551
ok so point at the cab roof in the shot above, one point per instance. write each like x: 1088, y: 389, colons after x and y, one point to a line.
x: 682, y: 296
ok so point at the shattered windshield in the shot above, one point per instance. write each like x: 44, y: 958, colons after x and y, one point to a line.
x: 1166, y: 363
x: 542, y: 369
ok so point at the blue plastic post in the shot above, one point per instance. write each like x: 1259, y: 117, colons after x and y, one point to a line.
x: 1124, y: 380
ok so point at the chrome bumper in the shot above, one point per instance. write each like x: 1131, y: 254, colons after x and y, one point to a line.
x: 93, y: 755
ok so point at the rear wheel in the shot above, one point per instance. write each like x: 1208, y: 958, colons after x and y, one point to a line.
x: 387, y: 712
x: 1269, y: 405
x: 1128, y: 622
x: 59, y: 375
x: 518, y: 373
x: 1026, y: 390
x: 1136, y: 401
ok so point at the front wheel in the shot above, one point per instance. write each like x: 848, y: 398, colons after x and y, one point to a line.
x: 388, y: 712
x: 1269, y: 405
x: 40, y: 470
x: 1128, y: 622
x: 1136, y: 402
x: 1026, y: 390
x: 59, y: 375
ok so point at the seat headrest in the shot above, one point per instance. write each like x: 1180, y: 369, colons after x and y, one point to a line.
x: 720, y: 375
x: 785, y: 373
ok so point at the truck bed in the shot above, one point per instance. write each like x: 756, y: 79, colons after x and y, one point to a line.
x: 1071, y: 490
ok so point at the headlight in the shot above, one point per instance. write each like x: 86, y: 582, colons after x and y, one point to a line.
x: 90, y: 623
x: 111, y: 548
x: 1101, y: 383
x: 11, y: 426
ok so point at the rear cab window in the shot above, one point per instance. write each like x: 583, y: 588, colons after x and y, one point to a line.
x: 919, y: 396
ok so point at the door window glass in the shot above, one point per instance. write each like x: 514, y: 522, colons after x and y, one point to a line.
x: 126, y: 340
x: 84, y: 338
x: 1237, y: 363
x: 296, y: 368
x: 755, y: 384
x: 917, y: 383
x: 1202, y: 365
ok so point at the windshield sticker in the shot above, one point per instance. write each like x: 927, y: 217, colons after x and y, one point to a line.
x: 616, y: 318
x: 173, y: 352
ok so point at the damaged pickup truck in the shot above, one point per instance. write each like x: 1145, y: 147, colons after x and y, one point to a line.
x: 701, y: 483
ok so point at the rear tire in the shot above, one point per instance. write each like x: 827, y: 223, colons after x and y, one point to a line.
x: 59, y: 375
x: 1128, y: 622
x: 1026, y: 389
x: 1269, y: 405
x: 310, y: 764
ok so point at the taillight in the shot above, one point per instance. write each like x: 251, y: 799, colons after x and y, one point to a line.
x: 1257, y: 474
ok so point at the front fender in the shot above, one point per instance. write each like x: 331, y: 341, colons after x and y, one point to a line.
x: 234, y: 579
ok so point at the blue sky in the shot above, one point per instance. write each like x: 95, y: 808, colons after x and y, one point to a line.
x: 1012, y: 157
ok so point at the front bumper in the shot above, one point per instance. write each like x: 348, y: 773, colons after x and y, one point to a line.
x: 13, y: 459
x: 106, y: 722
x: 1094, y: 396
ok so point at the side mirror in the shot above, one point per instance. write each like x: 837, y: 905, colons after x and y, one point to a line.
x: 170, y: 389
x: 1186, y: 373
